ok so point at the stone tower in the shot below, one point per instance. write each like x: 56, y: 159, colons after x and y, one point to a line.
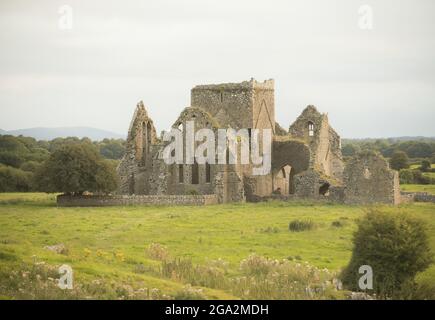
x: 249, y: 104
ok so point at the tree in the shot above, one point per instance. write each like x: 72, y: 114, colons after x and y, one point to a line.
x: 350, y: 149
x: 399, y: 160
x: 75, y: 168
x: 111, y: 148
x: 395, y: 246
x: 425, y: 166
x: 14, y: 180
x: 432, y: 159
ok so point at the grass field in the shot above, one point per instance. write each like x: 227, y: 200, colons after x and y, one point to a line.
x: 416, y: 166
x: 429, y: 188
x: 110, y: 245
x: 427, y: 174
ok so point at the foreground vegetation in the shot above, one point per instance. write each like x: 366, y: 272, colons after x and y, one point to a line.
x: 235, y: 251
x: 21, y: 158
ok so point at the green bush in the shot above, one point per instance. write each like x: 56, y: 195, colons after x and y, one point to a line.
x: 301, y: 225
x: 74, y: 168
x: 396, y: 246
x: 425, y: 166
x: 337, y: 224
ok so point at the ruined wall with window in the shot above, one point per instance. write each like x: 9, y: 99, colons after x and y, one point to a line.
x: 313, y: 128
x: 193, y: 178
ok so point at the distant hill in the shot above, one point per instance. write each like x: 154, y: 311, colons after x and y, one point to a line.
x: 52, y: 133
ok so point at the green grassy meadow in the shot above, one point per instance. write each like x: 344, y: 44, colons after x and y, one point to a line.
x: 429, y: 188
x: 111, y: 244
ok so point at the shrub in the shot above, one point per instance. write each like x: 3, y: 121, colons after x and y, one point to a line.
x: 425, y: 166
x: 337, y: 224
x: 301, y: 225
x: 256, y: 265
x: 395, y: 246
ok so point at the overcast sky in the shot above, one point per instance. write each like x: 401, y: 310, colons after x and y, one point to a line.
x: 377, y: 82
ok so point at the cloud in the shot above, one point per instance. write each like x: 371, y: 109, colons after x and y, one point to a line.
x: 118, y: 53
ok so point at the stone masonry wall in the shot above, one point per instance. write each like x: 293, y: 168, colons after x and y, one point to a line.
x: 369, y: 179
x: 125, y: 200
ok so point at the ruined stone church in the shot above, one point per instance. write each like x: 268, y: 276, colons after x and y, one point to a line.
x: 306, y: 158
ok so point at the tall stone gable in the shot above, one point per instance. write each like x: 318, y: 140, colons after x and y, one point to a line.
x: 313, y: 128
x: 133, y: 173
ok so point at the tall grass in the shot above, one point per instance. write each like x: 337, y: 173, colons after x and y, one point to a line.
x: 261, y: 278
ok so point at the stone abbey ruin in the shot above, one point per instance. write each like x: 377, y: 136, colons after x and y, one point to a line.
x: 306, y: 159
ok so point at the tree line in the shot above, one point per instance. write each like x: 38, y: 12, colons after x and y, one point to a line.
x: 30, y: 165
x: 421, y: 148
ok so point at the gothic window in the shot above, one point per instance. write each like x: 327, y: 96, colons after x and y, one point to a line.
x: 148, y: 135
x: 144, y: 142
x: 310, y: 129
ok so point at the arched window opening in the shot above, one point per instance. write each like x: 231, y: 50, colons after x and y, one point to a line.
x: 310, y: 129
x: 195, y: 173
x: 283, y: 181
x: 145, y: 143
x: 227, y: 156
x: 207, y: 173
x: 222, y: 96
x: 148, y: 136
